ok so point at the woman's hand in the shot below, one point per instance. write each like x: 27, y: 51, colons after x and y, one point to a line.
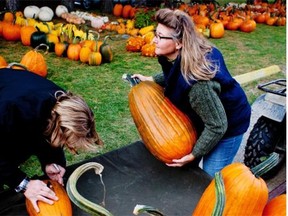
x: 142, y: 77
x: 38, y: 190
x: 182, y: 161
x: 55, y: 172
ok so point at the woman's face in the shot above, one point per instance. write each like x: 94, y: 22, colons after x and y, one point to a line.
x: 165, y: 45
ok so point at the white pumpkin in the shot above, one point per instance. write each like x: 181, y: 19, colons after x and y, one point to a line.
x: 31, y: 11
x: 45, y: 16
x: 60, y: 9
x: 97, y: 22
x: 48, y: 9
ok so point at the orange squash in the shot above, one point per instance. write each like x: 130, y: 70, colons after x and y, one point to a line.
x: 246, y: 193
x: 35, y: 62
x: 276, y: 206
x: 117, y: 10
x: 166, y: 132
x: 61, y: 207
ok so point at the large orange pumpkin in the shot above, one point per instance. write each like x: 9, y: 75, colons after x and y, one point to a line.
x: 276, y: 206
x: 166, y: 132
x: 246, y: 193
x: 61, y: 207
x: 35, y: 62
x: 117, y: 10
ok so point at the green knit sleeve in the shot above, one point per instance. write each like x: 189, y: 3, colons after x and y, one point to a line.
x: 206, y: 103
x: 159, y: 79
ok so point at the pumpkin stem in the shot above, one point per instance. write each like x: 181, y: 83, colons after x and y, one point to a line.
x: 78, y: 199
x: 266, y: 165
x: 146, y: 209
x: 132, y: 81
x: 12, y: 64
x: 40, y: 45
x: 220, y: 195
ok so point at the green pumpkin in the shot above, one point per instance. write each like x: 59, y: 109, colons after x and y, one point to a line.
x: 38, y: 38
x: 106, y: 51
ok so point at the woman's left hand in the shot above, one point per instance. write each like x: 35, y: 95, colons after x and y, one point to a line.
x: 182, y: 161
x: 55, y: 172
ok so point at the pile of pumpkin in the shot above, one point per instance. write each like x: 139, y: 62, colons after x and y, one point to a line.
x: 66, y: 40
x: 213, y: 20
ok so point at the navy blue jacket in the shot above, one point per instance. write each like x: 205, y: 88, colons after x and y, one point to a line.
x: 26, y: 101
x: 232, y: 96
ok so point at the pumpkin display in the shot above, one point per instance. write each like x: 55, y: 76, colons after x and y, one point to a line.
x: 166, y: 132
x: 35, y: 62
x: 276, y: 206
x: 246, y: 193
x: 61, y: 207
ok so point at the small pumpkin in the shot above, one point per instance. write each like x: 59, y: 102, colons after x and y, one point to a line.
x: 126, y: 11
x: 73, y: 51
x: 11, y: 32
x: 26, y: 32
x: 35, y: 62
x: 166, y: 132
x: 95, y: 58
x: 106, y: 51
x: 276, y: 206
x: 8, y: 17
x: 38, y: 37
x: 61, y: 207
x: 60, y: 49
x: 84, y: 54
x: 31, y: 11
x: 217, y: 30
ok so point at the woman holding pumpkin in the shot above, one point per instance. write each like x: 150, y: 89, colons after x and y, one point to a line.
x: 39, y: 118
x: 197, y: 82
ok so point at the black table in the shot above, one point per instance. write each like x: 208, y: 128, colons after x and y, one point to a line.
x: 133, y: 176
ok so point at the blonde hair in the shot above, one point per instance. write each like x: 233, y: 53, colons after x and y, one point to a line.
x: 194, y: 64
x: 72, y: 123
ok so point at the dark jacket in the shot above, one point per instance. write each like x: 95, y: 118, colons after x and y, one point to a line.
x: 26, y: 101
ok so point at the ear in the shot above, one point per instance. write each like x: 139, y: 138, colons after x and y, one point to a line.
x: 178, y: 46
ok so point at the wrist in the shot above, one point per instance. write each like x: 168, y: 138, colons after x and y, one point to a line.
x: 23, y: 185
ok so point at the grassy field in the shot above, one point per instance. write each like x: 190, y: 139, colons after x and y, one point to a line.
x: 106, y: 93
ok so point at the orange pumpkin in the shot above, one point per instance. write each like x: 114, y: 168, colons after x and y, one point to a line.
x: 246, y: 193
x: 166, y: 132
x: 8, y: 17
x: 60, y: 49
x: 95, y: 58
x: 134, y: 44
x: 61, y: 207
x: 217, y: 30
x: 248, y: 26
x: 3, y: 62
x: 84, y: 54
x: 126, y: 11
x: 26, y: 32
x: 117, y: 10
x: 73, y: 51
x: 35, y: 62
x: 148, y: 50
x: 276, y: 206
x: 11, y: 32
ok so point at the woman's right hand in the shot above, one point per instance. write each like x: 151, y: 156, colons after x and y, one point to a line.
x: 38, y: 190
x: 142, y: 77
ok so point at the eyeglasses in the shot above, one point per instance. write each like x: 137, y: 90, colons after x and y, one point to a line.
x: 162, y: 37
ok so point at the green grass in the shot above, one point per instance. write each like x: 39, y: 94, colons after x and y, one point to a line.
x: 106, y: 93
